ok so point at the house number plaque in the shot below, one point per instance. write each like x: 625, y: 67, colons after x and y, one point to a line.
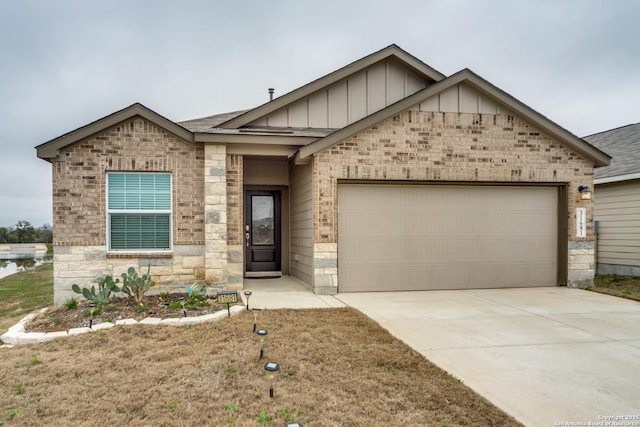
x: 227, y: 297
x: 581, y: 222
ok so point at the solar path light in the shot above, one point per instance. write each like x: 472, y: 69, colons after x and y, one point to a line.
x: 263, y: 334
x: 92, y: 312
x: 271, y: 367
x: 248, y: 295
x: 255, y: 317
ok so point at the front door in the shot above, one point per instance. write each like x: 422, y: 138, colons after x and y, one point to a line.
x: 262, y: 233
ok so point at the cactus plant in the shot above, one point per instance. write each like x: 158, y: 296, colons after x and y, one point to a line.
x: 106, y: 286
x: 135, y: 285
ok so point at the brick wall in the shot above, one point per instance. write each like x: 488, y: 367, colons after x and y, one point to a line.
x: 430, y: 146
x: 136, y: 145
x: 427, y: 146
x: 79, y: 185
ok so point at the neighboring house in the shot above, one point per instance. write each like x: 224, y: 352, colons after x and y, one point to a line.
x: 617, y: 201
x: 383, y: 175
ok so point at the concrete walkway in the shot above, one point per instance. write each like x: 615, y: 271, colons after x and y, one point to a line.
x: 547, y: 356
x: 285, y: 292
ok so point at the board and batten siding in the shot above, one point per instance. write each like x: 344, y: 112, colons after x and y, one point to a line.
x: 461, y: 99
x: 350, y: 99
x: 617, y: 209
x: 301, y: 223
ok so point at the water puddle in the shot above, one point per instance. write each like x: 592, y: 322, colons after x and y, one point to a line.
x: 17, y: 262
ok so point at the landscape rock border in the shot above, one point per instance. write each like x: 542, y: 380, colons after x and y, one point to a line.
x: 17, y: 334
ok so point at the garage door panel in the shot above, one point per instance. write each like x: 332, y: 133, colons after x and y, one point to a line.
x: 416, y: 237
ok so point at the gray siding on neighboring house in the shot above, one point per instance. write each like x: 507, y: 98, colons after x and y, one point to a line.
x: 301, y: 222
x: 617, y: 209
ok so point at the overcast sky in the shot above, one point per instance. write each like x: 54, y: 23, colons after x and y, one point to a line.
x: 66, y: 63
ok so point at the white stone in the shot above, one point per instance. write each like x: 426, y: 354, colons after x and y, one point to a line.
x: 103, y: 325
x: 31, y: 337
x: 191, y: 320
x: 150, y: 321
x: 28, y: 318
x: 126, y: 322
x: 53, y: 335
x: 236, y: 309
x: 17, y: 328
x: 10, y: 337
x: 78, y: 331
x: 171, y: 321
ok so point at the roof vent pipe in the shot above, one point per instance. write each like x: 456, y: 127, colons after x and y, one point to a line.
x: 271, y: 90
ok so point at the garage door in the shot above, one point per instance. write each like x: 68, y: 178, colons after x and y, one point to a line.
x: 426, y: 237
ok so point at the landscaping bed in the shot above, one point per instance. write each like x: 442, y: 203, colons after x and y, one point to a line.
x: 164, y: 306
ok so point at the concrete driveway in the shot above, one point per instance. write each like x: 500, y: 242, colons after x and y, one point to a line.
x: 547, y: 356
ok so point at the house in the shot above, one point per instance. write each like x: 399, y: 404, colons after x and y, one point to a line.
x: 617, y: 201
x: 382, y: 175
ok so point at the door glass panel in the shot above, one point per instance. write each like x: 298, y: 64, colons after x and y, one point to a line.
x: 262, y: 221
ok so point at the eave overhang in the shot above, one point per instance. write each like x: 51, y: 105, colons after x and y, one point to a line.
x: 259, y: 139
x: 51, y: 149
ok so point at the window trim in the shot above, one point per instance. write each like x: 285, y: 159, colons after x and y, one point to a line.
x: 109, y: 212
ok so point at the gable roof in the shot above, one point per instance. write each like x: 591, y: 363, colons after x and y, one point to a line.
x: 481, y: 85
x: 50, y: 149
x: 623, y: 144
x: 391, y: 51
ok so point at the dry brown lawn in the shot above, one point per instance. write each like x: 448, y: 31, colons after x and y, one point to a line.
x: 619, y: 286
x: 337, y: 368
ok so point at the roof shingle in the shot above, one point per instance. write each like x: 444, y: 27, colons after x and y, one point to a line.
x: 623, y: 145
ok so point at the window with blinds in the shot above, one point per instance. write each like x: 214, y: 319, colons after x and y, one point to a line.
x: 139, y: 211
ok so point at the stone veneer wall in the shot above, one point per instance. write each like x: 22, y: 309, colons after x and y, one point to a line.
x: 79, y: 185
x: 430, y: 146
x: 235, y: 229
x: 215, y: 194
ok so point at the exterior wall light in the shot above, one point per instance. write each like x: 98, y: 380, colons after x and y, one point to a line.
x: 585, y: 192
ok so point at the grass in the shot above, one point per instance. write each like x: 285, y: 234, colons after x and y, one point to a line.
x: 619, y: 286
x: 24, y: 293
x: 337, y: 367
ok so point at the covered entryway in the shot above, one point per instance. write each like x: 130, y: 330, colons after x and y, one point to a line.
x: 426, y: 237
x: 262, y: 233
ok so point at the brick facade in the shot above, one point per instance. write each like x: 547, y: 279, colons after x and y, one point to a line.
x: 79, y: 181
x: 446, y: 147
x: 79, y: 206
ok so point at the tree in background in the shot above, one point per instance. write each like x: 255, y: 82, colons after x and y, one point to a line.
x: 24, y: 232
x: 5, y: 235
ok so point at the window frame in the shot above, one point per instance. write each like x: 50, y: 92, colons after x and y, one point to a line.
x: 110, y: 212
